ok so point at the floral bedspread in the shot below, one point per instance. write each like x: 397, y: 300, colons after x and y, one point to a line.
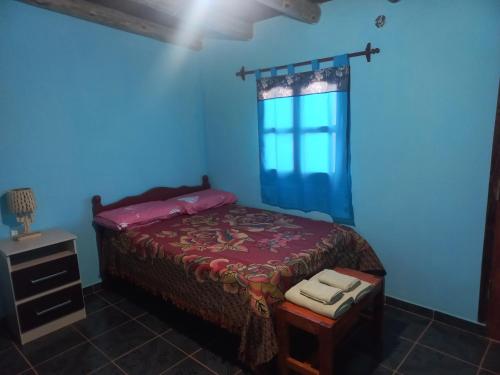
x: 256, y: 254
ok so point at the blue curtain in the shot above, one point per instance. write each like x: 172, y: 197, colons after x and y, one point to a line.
x: 304, y: 140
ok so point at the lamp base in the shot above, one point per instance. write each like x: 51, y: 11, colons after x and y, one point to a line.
x: 27, y: 236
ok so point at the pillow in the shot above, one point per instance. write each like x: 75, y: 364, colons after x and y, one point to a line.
x: 205, y: 199
x: 139, y: 214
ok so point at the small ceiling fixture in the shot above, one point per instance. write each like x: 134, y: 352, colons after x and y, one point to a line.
x: 380, y: 21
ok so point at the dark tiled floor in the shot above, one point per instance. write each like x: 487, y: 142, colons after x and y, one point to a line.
x: 458, y: 343
x: 141, y: 335
x: 154, y: 357
x: 426, y: 361
x: 39, y: 350
x: 81, y: 359
x: 94, y: 302
x: 492, y: 359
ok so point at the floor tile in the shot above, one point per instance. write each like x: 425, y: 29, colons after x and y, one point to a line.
x: 358, y: 363
x: 486, y: 372
x: 381, y: 371
x: 457, y: 342
x: 101, y: 321
x: 189, y: 367
x: 405, y: 324
x: 130, y: 308
x: 182, y: 341
x: 48, y: 346
x: 5, y: 338
x: 94, y: 303
x: 79, y: 360
x: 11, y: 362
x: 220, y: 365
x: 203, y: 332
x: 359, y: 337
x: 492, y: 359
x: 158, y: 354
x: 223, y: 343
x: 395, y: 349
x: 154, y: 323
x: 190, y: 324
x: 110, y: 369
x: 429, y: 362
x: 110, y: 295
x: 123, y: 339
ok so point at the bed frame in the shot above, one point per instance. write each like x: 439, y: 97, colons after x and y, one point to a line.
x: 154, y: 194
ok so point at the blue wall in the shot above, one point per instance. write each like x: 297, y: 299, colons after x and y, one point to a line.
x: 422, y: 123
x: 86, y: 109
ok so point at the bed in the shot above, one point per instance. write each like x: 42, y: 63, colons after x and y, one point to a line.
x: 230, y: 265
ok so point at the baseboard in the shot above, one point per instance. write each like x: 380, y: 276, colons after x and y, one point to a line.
x: 420, y: 310
x: 476, y: 328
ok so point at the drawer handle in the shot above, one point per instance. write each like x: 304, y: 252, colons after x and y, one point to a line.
x: 36, y: 281
x: 58, y: 306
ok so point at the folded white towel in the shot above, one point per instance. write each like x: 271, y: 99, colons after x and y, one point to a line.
x: 337, y: 280
x: 332, y: 311
x: 321, y: 292
x: 360, y: 291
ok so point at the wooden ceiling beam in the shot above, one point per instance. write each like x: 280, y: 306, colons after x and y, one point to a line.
x: 116, y: 19
x: 213, y: 18
x: 302, y: 10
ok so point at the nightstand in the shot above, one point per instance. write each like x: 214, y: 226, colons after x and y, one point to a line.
x: 41, y: 284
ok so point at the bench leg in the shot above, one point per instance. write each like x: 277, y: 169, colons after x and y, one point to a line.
x: 378, y: 321
x: 283, y: 343
x: 326, y: 352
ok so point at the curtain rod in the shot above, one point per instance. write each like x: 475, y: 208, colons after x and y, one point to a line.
x: 368, y: 52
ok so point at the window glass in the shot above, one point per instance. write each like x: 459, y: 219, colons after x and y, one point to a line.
x: 316, y: 153
x: 278, y: 114
x: 278, y: 152
x: 318, y: 110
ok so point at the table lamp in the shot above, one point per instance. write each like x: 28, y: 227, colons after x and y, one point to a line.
x: 21, y: 202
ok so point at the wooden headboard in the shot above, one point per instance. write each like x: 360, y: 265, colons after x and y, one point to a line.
x: 154, y: 194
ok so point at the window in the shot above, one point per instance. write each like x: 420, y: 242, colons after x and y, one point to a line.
x: 300, y: 133
x: 303, y: 138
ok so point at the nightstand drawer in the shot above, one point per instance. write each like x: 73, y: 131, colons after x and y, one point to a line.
x: 45, y: 309
x: 45, y: 276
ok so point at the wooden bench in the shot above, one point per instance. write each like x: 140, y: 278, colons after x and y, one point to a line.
x: 329, y: 332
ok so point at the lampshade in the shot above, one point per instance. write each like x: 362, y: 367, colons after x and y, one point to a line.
x: 21, y: 201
